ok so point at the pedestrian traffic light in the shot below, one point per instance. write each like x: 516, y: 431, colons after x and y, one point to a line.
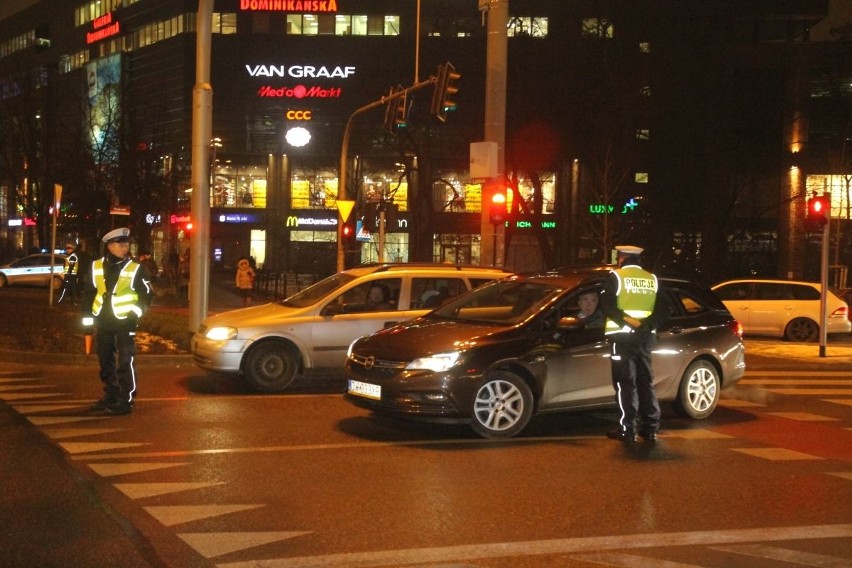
x: 442, y: 97
x: 396, y: 112
x: 497, y: 208
x: 818, y: 213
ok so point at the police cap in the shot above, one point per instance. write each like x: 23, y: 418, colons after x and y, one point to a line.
x: 630, y: 250
x: 121, y: 235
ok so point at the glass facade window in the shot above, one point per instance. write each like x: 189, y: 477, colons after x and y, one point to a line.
x: 342, y: 24
x: 527, y: 27
x: 840, y: 189
x: 238, y: 186
x: 95, y: 9
x: 641, y: 177
x: 17, y: 43
x: 224, y: 23
x: 600, y: 28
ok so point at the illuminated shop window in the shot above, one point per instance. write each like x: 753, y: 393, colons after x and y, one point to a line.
x: 89, y: 11
x: 313, y: 190
x: 238, y: 186
x: 641, y: 177
x: 597, y: 28
x: 527, y: 27
x: 643, y: 134
x: 644, y: 47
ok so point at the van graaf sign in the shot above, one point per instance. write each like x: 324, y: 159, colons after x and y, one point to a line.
x: 290, y: 5
x: 299, y: 91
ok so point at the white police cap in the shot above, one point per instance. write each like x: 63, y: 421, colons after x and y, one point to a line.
x: 629, y: 249
x: 117, y: 235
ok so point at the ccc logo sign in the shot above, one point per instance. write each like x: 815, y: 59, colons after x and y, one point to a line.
x: 298, y: 115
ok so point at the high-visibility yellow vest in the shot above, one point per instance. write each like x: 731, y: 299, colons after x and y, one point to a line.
x: 124, y: 298
x: 635, y: 296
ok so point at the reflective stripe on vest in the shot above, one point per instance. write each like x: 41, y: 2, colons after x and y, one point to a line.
x: 71, y: 264
x: 124, y: 299
x: 635, y: 296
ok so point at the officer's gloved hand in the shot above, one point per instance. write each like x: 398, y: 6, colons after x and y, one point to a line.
x: 88, y: 322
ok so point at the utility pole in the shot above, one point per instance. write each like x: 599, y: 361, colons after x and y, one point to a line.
x: 202, y: 129
x: 492, y: 243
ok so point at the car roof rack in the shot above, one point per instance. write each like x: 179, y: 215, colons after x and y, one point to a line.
x: 388, y: 266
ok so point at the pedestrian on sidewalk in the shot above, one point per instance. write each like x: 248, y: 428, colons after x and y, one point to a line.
x: 245, y: 280
x: 116, y: 294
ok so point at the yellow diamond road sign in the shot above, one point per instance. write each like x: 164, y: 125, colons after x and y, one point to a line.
x: 345, y: 207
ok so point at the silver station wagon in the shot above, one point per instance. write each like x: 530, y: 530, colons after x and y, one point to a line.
x: 271, y: 344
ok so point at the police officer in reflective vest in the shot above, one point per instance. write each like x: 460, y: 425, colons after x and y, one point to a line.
x: 70, y: 274
x: 116, y: 294
x: 634, y: 308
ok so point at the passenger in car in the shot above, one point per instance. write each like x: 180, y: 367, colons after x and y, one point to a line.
x: 378, y: 299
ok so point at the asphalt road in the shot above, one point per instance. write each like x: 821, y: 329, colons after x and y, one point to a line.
x: 207, y: 473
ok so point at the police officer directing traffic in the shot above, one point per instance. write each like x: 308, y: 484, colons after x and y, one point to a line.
x: 634, y: 308
x: 70, y: 274
x: 116, y: 294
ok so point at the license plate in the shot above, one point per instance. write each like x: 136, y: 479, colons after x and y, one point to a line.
x: 365, y: 389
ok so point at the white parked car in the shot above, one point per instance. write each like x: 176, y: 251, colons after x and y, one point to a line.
x: 782, y: 308
x: 271, y: 344
x: 34, y: 270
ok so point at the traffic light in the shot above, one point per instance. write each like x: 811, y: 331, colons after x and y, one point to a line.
x: 497, y: 208
x: 396, y: 113
x: 347, y: 233
x: 819, y: 211
x: 444, y: 90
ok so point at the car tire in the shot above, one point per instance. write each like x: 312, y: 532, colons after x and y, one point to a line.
x: 271, y: 366
x: 801, y: 329
x: 502, y: 406
x: 699, y: 391
x: 3, y: 281
x: 56, y: 282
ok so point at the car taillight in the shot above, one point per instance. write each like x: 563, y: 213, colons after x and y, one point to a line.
x: 736, y: 328
x: 840, y: 312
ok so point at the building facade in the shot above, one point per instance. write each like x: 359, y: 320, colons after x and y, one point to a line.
x: 682, y: 127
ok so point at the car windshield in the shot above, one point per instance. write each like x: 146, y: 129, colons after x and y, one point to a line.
x: 316, y: 292
x: 505, y: 302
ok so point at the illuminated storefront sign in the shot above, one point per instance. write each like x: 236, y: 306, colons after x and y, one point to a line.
x: 290, y: 5
x: 301, y: 222
x: 300, y: 71
x: 240, y: 218
x: 299, y: 92
x: 21, y: 222
x: 299, y: 115
x: 103, y: 27
x: 174, y: 219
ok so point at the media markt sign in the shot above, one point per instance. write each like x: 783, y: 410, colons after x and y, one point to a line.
x: 120, y: 210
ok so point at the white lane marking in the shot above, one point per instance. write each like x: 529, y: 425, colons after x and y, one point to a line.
x: 114, y: 469
x: 85, y: 447
x: 622, y: 560
x: 170, y: 515
x: 805, y: 382
x: 776, y: 454
x: 63, y: 433
x: 141, y: 490
x: 806, y: 391
x: 345, y: 446
x: 797, y: 374
x: 841, y: 474
x: 541, y: 547
x: 803, y: 416
x: 786, y: 555
x: 217, y: 544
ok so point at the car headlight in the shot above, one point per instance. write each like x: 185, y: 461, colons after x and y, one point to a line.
x: 221, y: 333
x: 436, y: 363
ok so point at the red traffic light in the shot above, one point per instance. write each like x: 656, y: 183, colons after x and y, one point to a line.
x: 497, y: 209
x: 348, y: 232
x: 819, y: 211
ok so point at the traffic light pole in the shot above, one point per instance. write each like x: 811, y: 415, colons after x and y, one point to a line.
x: 823, y: 296
x: 344, y: 158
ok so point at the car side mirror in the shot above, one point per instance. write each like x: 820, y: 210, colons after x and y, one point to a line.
x: 570, y: 324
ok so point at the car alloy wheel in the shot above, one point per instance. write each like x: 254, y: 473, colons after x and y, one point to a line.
x: 502, y: 407
x: 271, y: 366
x: 801, y: 329
x: 699, y: 390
